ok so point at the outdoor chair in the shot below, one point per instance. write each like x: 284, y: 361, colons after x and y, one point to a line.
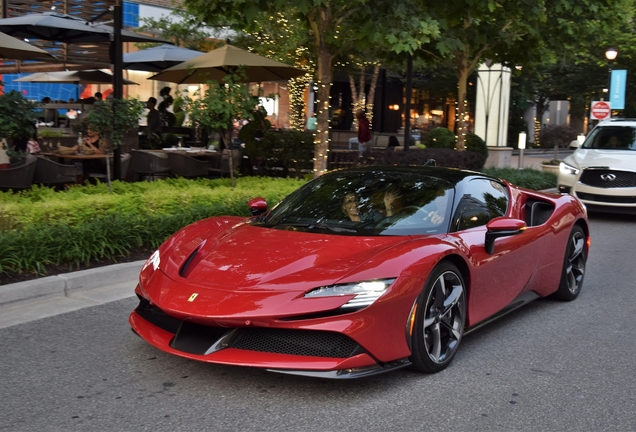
x: 185, y: 166
x: 214, y: 165
x: 124, y: 165
x: 148, y: 165
x: 51, y: 173
x: 19, y: 176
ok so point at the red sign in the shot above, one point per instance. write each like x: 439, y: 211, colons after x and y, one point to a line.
x: 600, y: 110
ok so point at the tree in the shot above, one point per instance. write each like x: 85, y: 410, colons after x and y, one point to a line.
x: 514, y: 32
x: 279, y: 38
x: 333, y: 26
x: 179, y: 27
x: 220, y: 104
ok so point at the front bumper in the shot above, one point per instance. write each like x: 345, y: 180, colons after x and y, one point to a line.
x: 602, y: 189
x: 294, y: 351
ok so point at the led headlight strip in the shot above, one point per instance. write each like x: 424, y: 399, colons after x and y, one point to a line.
x: 365, y: 292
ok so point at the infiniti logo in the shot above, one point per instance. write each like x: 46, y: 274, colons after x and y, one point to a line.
x: 608, y: 177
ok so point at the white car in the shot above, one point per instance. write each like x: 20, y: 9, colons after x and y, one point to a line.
x: 602, y: 170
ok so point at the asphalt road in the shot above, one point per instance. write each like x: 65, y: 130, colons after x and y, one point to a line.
x: 549, y: 366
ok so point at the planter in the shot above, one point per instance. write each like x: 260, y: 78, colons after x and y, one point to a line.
x: 550, y: 168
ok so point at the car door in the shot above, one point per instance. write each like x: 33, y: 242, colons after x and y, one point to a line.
x: 498, y: 278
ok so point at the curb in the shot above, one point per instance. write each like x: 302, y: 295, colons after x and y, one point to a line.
x: 65, y: 285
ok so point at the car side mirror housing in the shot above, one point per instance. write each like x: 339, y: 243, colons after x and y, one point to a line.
x: 257, y: 206
x: 501, y: 227
x: 575, y: 144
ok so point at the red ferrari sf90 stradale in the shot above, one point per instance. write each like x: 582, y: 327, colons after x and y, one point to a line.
x: 360, y: 271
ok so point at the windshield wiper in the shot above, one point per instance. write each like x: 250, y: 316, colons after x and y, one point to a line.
x: 317, y: 225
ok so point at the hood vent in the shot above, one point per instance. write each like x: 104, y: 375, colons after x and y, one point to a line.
x: 191, y: 261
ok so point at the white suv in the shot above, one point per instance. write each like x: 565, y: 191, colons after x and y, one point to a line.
x: 602, y: 171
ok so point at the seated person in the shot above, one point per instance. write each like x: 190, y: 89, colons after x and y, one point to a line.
x: 436, y: 209
x: 92, y: 142
x: 351, y: 207
x: 71, y: 114
x: 613, y: 142
x: 50, y: 114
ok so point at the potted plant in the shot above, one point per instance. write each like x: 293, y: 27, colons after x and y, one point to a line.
x: 551, y: 165
x: 220, y: 105
x: 17, y: 121
x: 112, y: 118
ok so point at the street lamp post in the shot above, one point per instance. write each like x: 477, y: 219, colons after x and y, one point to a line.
x: 610, y: 55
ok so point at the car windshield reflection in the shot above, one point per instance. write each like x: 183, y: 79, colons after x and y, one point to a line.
x: 366, y: 203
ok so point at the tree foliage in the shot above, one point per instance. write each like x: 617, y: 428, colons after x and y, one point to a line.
x: 333, y: 26
x: 181, y: 28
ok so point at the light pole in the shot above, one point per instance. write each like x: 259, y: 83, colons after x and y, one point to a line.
x: 610, y: 55
x: 521, y: 146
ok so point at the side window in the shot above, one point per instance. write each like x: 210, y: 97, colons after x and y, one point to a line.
x: 483, y: 200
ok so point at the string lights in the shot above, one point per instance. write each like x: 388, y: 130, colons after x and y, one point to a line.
x: 270, y: 45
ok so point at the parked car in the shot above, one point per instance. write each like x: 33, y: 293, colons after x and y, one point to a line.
x: 602, y: 171
x: 360, y: 271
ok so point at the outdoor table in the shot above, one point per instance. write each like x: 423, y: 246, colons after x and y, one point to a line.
x: 215, y: 158
x: 81, y: 158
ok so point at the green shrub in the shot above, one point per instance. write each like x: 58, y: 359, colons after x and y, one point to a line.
x: 527, y: 178
x: 41, y: 227
x: 440, y: 138
x: 475, y: 144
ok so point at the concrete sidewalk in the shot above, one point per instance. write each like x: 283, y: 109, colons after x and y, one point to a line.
x: 48, y: 296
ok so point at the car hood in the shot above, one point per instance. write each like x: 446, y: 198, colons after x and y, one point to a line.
x: 249, y: 257
x: 585, y: 158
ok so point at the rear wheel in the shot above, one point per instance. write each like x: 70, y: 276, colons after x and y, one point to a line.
x: 573, y: 266
x: 439, y: 320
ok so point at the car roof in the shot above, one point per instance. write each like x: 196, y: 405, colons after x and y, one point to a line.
x: 627, y: 122
x: 451, y: 175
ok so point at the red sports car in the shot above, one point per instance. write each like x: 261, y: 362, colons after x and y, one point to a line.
x: 360, y: 271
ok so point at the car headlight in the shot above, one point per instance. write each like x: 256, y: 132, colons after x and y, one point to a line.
x: 568, y: 169
x: 365, y: 292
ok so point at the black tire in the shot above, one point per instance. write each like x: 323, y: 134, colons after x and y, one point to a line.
x: 439, y: 320
x: 573, y: 266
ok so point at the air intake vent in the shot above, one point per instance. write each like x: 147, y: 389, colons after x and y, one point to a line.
x: 296, y: 342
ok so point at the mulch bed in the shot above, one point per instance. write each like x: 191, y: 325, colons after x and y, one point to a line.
x: 136, y: 255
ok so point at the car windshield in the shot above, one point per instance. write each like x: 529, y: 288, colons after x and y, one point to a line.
x: 366, y: 203
x: 612, y: 138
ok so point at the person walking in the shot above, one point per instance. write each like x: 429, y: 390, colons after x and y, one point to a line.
x: 364, y: 134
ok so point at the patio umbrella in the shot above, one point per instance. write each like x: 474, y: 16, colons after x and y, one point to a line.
x: 215, y: 64
x: 158, y: 58
x: 78, y: 77
x: 12, y: 48
x: 54, y: 26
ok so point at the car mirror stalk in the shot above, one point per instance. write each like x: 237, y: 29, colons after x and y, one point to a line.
x: 501, y: 227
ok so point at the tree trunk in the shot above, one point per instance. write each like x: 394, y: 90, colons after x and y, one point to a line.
x: 540, y: 107
x: 462, y: 74
x: 321, y: 149
x: 371, y: 97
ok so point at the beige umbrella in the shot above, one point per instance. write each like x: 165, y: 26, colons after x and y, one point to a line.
x: 214, y: 65
x: 12, y: 48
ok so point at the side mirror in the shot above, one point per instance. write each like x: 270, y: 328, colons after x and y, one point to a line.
x: 501, y: 227
x: 575, y: 144
x: 257, y: 206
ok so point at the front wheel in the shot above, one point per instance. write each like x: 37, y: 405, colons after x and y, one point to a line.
x: 573, y: 266
x: 439, y: 320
